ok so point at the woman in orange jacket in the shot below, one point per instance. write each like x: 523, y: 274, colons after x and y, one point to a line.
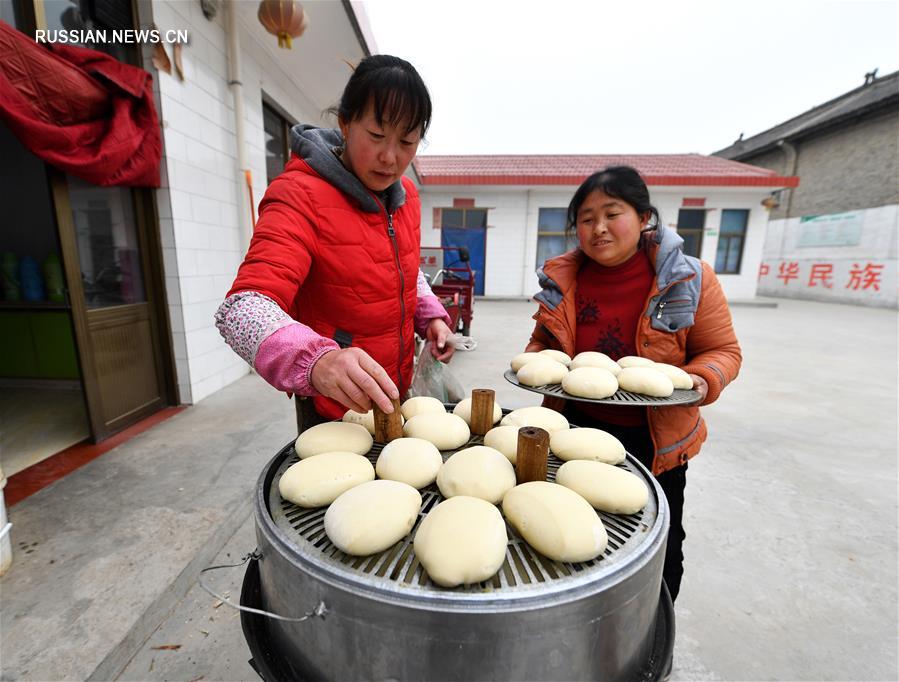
x: 628, y: 289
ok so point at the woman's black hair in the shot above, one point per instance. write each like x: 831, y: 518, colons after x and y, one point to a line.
x: 620, y: 182
x: 395, y: 90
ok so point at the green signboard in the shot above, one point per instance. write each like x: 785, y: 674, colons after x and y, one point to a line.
x: 836, y: 229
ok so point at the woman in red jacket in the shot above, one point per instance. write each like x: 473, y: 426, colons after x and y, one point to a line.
x: 329, y: 295
x: 628, y: 289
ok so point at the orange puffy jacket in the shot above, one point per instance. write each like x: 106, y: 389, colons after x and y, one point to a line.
x: 686, y: 322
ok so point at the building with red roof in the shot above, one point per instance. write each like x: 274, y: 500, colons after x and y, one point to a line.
x: 572, y: 169
x: 509, y: 211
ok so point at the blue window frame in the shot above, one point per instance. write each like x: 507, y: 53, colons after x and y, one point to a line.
x: 731, y: 239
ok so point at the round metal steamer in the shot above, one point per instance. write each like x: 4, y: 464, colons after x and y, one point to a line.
x: 536, y: 619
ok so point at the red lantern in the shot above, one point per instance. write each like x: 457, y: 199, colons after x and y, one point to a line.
x: 283, y: 18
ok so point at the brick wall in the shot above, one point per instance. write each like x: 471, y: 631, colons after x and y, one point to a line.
x: 852, y: 168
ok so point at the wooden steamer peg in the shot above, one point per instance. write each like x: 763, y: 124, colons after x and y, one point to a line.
x: 533, y: 454
x: 388, y: 427
x: 482, y: 400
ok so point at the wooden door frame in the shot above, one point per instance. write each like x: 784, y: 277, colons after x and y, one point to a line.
x: 65, y: 230
x: 150, y: 244
x: 146, y: 224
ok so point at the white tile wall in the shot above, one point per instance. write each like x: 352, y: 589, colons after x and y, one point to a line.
x: 200, y: 222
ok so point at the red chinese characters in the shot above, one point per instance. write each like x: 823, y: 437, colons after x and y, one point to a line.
x: 821, y: 274
x: 788, y: 271
x: 867, y: 277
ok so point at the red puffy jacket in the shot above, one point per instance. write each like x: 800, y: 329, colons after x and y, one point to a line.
x: 348, y: 274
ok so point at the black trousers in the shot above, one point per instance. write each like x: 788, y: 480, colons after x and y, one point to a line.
x: 638, y: 442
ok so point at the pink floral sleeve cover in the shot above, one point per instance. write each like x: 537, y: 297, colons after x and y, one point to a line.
x: 284, y: 351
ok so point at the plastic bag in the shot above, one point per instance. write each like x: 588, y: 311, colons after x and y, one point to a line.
x: 462, y: 343
x: 433, y: 378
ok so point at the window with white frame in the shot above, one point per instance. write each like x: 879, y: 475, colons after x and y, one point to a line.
x: 551, y: 239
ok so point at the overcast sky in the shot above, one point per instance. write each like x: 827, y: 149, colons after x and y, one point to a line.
x: 601, y: 77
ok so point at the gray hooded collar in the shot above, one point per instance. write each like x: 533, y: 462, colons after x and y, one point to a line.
x: 316, y: 147
x: 671, y: 264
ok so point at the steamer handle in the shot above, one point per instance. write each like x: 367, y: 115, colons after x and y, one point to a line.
x: 320, y: 611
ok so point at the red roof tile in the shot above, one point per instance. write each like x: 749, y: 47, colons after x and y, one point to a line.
x: 572, y: 169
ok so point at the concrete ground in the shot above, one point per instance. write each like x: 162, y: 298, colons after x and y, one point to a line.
x: 791, y: 519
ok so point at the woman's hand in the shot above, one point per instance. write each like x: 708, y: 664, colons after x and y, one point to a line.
x: 438, y: 332
x: 699, y: 385
x: 351, y: 377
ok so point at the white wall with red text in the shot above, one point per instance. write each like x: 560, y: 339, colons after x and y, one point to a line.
x: 862, y: 273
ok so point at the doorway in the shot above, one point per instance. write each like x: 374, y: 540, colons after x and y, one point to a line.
x: 84, y: 343
x: 42, y: 402
x: 467, y: 228
x: 106, y: 235
x: 86, y: 348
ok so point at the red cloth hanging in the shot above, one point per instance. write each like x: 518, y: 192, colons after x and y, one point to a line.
x: 80, y: 110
